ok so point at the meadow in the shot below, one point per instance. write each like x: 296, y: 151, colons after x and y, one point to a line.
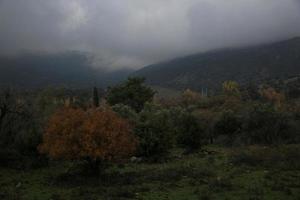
x: 251, y: 173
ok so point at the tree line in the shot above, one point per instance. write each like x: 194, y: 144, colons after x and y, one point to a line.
x: 129, y: 119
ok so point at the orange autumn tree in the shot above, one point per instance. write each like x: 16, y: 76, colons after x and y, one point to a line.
x: 190, y: 97
x: 95, y: 135
x: 271, y: 95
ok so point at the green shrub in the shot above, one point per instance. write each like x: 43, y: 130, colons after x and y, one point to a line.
x: 8, y: 157
x: 228, y: 124
x: 20, y: 131
x: 190, y: 132
x: 155, y: 131
x: 207, y: 118
x: 266, y: 125
x: 125, y: 112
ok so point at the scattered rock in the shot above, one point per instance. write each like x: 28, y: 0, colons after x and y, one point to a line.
x: 178, y: 156
x: 135, y: 159
x: 19, y: 185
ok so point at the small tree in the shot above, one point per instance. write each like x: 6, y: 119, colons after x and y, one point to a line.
x: 266, y: 125
x: 231, y: 88
x: 19, y: 128
x: 207, y: 118
x: 94, y: 136
x: 271, y: 95
x: 125, y: 112
x: 250, y: 92
x: 190, y: 97
x: 95, y: 97
x: 16, y: 119
x: 190, y: 132
x: 133, y: 93
x: 229, y: 125
x: 155, y: 131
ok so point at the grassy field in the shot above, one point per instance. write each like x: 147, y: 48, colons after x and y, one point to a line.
x: 216, y: 173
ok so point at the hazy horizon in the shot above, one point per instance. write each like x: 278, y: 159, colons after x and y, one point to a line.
x: 135, y: 33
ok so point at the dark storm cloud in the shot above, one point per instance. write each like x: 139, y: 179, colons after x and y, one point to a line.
x: 138, y: 32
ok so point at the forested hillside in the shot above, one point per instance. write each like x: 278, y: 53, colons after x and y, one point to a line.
x: 244, y: 65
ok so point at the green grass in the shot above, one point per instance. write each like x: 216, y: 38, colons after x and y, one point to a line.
x: 200, y: 176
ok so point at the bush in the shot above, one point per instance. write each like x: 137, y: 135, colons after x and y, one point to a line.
x: 95, y: 135
x: 28, y: 140
x: 231, y: 88
x: 125, y: 112
x: 155, y: 131
x: 190, y: 131
x: 9, y: 157
x: 266, y: 125
x: 190, y: 97
x: 19, y: 130
x: 228, y: 124
x: 13, y: 159
x: 207, y: 118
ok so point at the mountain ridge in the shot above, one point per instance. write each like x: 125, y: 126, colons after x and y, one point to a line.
x: 245, y: 64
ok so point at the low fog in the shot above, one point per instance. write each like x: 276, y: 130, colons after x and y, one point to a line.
x: 134, y: 33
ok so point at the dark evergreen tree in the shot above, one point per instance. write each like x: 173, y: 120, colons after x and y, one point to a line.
x: 133, y: 93
x: 95, y: 97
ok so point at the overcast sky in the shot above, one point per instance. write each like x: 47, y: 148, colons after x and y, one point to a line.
x: 134, y: 33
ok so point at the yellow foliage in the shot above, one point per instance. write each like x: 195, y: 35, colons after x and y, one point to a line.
x: 231, y: 87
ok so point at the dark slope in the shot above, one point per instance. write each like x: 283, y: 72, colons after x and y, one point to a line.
x: 277, y: 60
x: 71, y: 69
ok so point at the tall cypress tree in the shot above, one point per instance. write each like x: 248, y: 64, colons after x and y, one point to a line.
x: 95, y: 97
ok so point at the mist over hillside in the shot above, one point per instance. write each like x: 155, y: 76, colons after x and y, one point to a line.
x: 71, y: 69
x: 204, y: 70
x: 208, y: 70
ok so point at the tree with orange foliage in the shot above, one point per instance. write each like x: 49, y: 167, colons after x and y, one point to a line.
x: 96, y: 135
x: 190, y: 97
x: 271, y: 95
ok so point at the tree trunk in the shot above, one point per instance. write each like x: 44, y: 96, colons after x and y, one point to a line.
x: 93, y: 167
